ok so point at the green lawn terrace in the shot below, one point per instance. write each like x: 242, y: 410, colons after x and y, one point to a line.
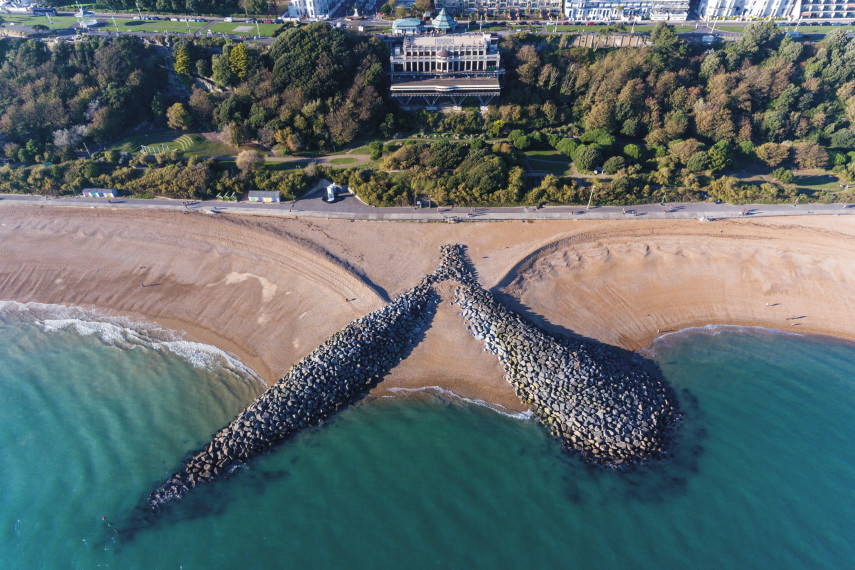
x: 28, y: 21
x: 187, y: 144
x: 124, y: 25
x: 147, y: 26
x: 243, y: 29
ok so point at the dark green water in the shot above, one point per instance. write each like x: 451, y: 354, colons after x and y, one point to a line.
x: 764, y: 476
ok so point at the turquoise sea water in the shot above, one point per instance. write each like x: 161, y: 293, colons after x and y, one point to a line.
x: 94, y: 415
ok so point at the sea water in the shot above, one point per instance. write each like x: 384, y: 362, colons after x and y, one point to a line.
x: 94, y: 413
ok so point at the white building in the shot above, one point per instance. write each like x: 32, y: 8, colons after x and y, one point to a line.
x: 430, y: 70
x: 527, y: 8
x: 313, y: 9
x: 823, y: 9
x: 605, y: 10
x: 748, y: 9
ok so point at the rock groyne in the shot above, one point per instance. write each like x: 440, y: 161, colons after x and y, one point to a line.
x: 335, y: 375
x: 593, y: 397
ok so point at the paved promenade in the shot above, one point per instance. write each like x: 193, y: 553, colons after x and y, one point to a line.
x: 351, y: 208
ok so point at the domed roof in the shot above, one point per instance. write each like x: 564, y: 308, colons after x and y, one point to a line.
x: 443, y: 53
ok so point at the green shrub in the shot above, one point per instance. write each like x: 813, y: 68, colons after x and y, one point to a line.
x: 614, y: 165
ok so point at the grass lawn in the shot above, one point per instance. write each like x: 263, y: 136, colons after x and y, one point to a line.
x: 553, y: 167
x: 342, y: 161
x: 240, y: 28
x: 21, y: 20
x: 189, y: 144
x: 817, y: 181
x: 549, y: 154
x: 290, y: 165
x: 159, y: 26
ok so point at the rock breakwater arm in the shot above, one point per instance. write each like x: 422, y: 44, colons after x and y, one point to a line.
x: 335, y: 375
x: 596, y: 400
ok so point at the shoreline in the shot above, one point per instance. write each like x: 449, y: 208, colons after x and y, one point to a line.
x: 269, y: 291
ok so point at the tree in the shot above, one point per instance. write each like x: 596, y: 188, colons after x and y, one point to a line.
x: 614, y: 165
x: 811, y: 155
x: 182, y: 59
x: 567, y: 146
x: 177, y: 117
x: 203, y: 68
x: 239, y: 61
x: 683, y: 150
x: 586, y: 158
x: 376, y: 148
x: 248, y: 161
x: 70, y: 137
x: 422, y: 6
x: 720, y: 156
x: 221, y: 71
x: 665, y: 44
x: 698, y: 162
x: 632, y: 151
x: 256, y: 6
x: 772, y: 154
x: 844, y: 138
x: 783, y: 175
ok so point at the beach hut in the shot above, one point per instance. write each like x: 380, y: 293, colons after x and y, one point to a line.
x: 261, y: 196
x: 99, y: 192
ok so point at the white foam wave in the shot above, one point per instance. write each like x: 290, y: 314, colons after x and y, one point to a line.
x: 124, y: 333
x: 669, y: 338
x: 443, y: 392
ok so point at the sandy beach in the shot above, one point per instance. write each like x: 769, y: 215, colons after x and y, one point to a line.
x: 269, y: 290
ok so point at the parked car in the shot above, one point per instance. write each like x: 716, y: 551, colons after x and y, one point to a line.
x: 201, y: 20
x: 173, y: 19
x: 267, y: 21
x: 590, y: 23
x: 228, y: 19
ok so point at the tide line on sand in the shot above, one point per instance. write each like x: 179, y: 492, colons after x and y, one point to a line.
x: 443, y: 393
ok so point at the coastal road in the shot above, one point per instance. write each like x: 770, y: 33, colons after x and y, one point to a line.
x: 350, y: 207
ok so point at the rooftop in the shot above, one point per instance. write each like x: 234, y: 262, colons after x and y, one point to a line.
x: 406, y: 23
x: 443, y: 21
x: 447, y: 41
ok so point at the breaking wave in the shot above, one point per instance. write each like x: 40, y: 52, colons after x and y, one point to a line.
x: 125, y: 333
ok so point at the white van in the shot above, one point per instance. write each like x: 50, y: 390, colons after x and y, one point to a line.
x: 229, y: 19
